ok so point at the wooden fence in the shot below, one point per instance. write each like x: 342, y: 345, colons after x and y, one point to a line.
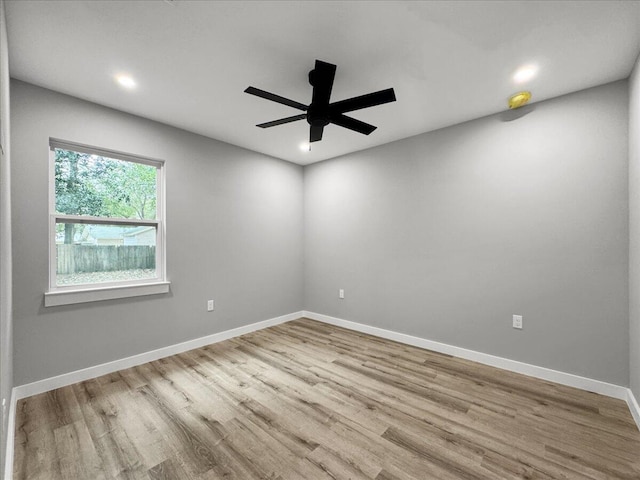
x: 104, y: 258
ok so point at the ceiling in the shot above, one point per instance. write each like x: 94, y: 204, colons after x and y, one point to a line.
x: 448, y: 62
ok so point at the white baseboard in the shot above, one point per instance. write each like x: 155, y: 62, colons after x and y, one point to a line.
x: 583, y: 383
x: 70, y: 378
x: 562, y: 378
x: 634, y: 407
x: 11, y: 428
x: 556, y: 376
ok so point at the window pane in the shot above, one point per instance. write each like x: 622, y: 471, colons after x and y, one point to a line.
x: 103, y: 187
x: 88, y: 253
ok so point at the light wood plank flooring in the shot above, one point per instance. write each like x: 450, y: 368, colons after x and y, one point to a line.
x: 305, y: 400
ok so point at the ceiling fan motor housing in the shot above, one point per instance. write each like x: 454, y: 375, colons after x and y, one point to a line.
x: 318, y: 116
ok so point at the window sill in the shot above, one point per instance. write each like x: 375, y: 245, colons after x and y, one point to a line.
x: 69, y: 297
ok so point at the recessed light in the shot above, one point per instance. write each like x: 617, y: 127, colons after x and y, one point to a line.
x: 525, y: 73
x: 305, y: 147
x: 126, y: 81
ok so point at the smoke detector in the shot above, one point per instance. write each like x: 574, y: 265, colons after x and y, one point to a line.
x: 519, y: 99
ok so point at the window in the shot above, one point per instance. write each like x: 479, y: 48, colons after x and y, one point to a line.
x: 106, y: 225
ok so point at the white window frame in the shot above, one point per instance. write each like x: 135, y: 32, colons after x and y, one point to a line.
x: 70, y: 294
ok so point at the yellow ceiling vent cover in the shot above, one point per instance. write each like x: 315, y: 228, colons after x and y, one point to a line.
x: 520, y: 99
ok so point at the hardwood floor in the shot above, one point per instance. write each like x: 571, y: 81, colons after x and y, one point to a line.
x: 305, y: 400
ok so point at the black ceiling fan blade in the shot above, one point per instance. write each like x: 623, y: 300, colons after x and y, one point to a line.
x: 282, y: 121
x: 321, y: 77
x: 275, y: 98
x: 352, y: 124
x: 315, y: 135
x: 364, y: 101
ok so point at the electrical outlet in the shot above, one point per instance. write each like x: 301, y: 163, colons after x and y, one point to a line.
x: 517, y: 321
x: 210, y: 305
x: 341, y: 293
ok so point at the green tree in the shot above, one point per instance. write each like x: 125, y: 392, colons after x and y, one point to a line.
x: 75, y: 192
x: 132, y: 191
x: 93, y: 185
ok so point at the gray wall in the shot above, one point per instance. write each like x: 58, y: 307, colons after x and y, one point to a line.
x: 634, y: 230
x: 444, y: 236
x: 234, y: 234
x: 6, y: 340
x: 447, y: 234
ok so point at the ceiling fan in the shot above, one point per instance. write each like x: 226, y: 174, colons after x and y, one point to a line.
x: 320, y: 112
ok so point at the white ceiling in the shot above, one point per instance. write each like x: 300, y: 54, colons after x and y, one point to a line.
x: 447, y: 61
